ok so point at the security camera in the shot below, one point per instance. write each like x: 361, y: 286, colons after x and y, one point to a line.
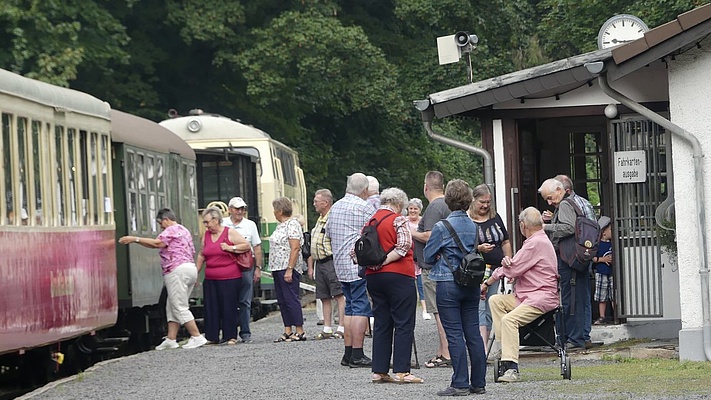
x: 463, y: 39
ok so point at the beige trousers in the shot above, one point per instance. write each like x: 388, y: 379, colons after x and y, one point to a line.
x: 507, y: 319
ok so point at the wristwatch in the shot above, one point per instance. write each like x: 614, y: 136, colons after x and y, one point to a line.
x: 487, y: 283
x: 234, y: 248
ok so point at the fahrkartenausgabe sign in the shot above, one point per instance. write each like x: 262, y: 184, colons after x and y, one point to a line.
x: 630, y: 166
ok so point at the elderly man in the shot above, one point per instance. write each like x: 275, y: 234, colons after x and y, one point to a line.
x: 373, y: 192
x: 321, y: 269
x: 534, y: 270
x: 247, y: 228
x: 345, y: 222
x: 574, y: 284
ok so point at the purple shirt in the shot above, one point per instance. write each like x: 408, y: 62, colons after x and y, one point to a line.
x: 535, y: 269
x: 178, y: 248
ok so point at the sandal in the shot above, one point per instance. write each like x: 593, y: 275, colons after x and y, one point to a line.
x: 338, y: 335
x: 439, y: 361
x: 230, y: 342
x: 323, y: 335
x: 406, y: 377
x: 297, y: 337
x: 600, y: 321
x: 283, y: 338
x: 382, y: 378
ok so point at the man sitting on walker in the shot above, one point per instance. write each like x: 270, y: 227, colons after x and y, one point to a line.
x: 535, y: 272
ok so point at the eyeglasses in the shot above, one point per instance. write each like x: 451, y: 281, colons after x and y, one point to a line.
x: 483, y: 201
x: 159, y: 221
x: 205, y: 222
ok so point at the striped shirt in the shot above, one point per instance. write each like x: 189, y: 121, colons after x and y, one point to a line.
x: 345, y: 221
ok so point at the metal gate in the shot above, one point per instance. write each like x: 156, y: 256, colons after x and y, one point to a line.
x: 637, y: 255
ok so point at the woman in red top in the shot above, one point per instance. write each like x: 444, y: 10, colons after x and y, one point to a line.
x: 392, y: 290
x: 222, y: 277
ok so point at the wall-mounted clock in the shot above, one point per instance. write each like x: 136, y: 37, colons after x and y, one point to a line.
x: 620, y: 29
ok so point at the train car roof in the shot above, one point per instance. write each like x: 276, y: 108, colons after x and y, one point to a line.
x: 144, y: 133
x: 62, y: 99
x: 212, y: 126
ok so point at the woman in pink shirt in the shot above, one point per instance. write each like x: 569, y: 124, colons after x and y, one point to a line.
x: 222, y: 277
x: 176, y: 248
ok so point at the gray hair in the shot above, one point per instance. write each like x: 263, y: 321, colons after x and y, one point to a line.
x: 373, y: 185
x: 213, y: 212
x: 284, y: 205
x: 394, y: 196
x: 166, y: 213
x: 531, y: 217
x: 565, y: 181
x: 356, y: 184
x: 326, y: 194
x: 551, y: 185
x: 415, y: 202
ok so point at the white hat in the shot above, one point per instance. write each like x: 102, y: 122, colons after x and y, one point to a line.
x: 23, y: 214
x: 604, y: 222
x: 237, y: 202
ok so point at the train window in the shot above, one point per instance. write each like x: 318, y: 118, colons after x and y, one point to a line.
x: 159, y: 176
x: 106, y: 190
x: 288, y: 166
x: 7, y: 170
x: 72, y: 179
x: 22, y: 168
x: 142, y: 201
x: 37, y: 169
x: 93, y: 167
x: 84, y: 174
x: 150, y: 174
x: 59, y: 145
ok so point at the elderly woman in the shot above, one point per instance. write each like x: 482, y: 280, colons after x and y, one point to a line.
x: 493, y: 245
x: 392, y: 289
x: 223, y: 277
x: 414, y: 211
x: 175, y: 245
x: 284, y: 257
x: 458, y: 306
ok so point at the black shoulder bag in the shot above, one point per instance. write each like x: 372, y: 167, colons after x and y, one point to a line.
x: 471, y: 269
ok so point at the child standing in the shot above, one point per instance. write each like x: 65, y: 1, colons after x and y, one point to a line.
x: 603, y: 269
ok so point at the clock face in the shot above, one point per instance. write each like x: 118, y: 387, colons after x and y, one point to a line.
x: 620, y: 29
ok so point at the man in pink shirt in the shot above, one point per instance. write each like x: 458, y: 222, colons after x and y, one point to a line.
x: 534, y: 270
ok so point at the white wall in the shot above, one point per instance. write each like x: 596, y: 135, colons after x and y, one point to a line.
x: 690, y: 107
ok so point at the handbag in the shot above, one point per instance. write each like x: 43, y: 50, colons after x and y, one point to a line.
x: 243, y: 260
x: 470, y: 271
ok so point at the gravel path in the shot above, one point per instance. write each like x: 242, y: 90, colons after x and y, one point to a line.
x: 267, y: 370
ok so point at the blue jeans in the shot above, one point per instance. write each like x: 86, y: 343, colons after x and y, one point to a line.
x: 484, y: 310
x: 459, y: 312
x: 246, y: 292
x: 579, y: 324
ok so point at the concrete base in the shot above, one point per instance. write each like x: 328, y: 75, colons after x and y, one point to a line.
x: 691, y: 344
x: 637, y: 329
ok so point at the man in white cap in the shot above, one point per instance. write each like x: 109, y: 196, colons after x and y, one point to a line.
x: 238, y: 221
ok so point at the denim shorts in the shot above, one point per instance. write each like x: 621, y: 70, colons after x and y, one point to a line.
x: 357, y: 303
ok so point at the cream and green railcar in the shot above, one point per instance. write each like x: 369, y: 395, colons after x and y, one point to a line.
x: 234, y: 159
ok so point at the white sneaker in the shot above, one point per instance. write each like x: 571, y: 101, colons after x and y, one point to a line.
x: 168, y: 344
x: 195, y: 341
x: 426, y: 315
x: 511, y: 375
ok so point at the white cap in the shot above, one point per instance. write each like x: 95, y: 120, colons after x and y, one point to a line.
x: 23, y: 214
x: 237, y: 202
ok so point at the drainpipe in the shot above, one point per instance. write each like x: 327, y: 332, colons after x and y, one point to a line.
x: 428, y: 115
x: 699, y: 188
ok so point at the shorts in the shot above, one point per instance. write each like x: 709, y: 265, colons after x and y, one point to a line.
x: 430, y: 292
x: 327, y: 284
x: 603, y: 287
x: 357, y: 303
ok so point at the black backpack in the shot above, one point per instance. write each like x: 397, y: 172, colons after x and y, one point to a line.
x: 368, y: 250
x: 582, y: 246
x: 471, y: 269
x: 306, y: 247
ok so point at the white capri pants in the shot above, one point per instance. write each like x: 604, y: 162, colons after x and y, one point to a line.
x: 179, y: 283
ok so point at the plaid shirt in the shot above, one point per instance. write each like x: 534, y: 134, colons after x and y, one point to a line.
x: 320, y: 242
x: 345, y: 221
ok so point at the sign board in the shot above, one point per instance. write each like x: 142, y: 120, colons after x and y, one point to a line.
x: 630, y: 166
x: 447, y: 50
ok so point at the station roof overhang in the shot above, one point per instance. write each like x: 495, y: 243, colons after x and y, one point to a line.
x: 561, y: 76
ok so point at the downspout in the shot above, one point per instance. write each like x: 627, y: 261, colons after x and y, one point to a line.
x: 699, y: 191
x: 428, y: 116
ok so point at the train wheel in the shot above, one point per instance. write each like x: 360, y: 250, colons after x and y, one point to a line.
x: 497, y: 367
